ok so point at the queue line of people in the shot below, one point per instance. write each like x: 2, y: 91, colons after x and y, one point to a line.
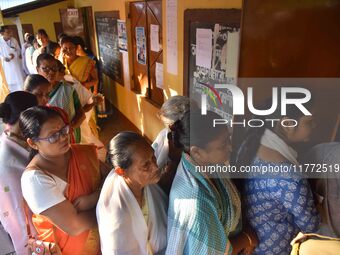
x: 65, y: 97
x: 70, y: 191
x: 154, y: 201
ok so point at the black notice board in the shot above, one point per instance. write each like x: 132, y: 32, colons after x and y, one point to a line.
x: 107, y: 36
x: 224, y: 25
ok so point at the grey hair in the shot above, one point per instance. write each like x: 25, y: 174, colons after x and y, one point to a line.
x: 122, y: 148
x: 174, y: 108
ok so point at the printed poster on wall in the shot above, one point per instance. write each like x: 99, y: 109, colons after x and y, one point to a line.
x: 214, y: 58
x: 141, y: 45
x: 72, y: 22
x: 122, y: 37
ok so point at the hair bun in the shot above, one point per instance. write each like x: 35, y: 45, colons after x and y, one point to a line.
x: 176, y: 131
x: 5, y: 111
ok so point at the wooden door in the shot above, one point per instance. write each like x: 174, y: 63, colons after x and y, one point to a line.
x: 27, y: 28
x: 143, y: 15
x: 154, y: 17
x: 58, y: 29
x: 140, y: 70
x: 295, y: 39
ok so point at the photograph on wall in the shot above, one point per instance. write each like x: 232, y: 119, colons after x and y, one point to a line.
x: 122, y: 37
x: 141, y: 45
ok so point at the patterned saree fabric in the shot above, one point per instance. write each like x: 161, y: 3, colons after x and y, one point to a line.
x: 203, y: 213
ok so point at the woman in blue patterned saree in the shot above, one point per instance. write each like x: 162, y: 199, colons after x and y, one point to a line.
x: 278, y: 205
x: 204, y: 215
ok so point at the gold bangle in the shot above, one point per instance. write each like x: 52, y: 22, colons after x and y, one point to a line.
x: 248, y: 237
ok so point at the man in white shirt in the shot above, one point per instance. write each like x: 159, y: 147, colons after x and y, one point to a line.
x: 44, y: 42
x: 11, y: 59
x: 24, y: 46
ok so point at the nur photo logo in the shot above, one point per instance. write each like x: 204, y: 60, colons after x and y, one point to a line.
x: 281, y: 102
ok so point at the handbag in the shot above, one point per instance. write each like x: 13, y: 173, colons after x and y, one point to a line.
x: 314, y: 244
x: 36, y: 246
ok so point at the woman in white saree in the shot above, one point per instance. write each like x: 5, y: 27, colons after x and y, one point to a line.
x: 131, y: 210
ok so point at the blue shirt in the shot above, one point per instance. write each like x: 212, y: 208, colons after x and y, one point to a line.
x: 278, y: 209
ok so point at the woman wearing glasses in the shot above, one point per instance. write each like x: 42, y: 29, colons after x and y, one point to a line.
x: 61, y: 183
x: 62, y: 95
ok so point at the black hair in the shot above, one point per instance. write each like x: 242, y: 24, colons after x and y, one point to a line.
x: 33, y: 81
x: 51, y: 48
x: 195, y: 129
x: 3, y: 29
x: 61, y: 35
x: 32, y: 120
x: 44, y: 56
x: 31, y: 39
x: 42, y: 31
x: 249, y: 147
x: 14, y: 104
x: 121, y: 148
x: 79, y: 41
x: 67, y: 39
x: 61, y: 67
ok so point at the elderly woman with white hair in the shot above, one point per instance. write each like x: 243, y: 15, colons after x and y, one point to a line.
x: 167, y: 154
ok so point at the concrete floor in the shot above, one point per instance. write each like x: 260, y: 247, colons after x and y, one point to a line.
x: 113, y: 124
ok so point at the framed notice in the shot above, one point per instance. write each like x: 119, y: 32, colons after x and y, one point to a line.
x: 211, y: 47
x: 108, y: 44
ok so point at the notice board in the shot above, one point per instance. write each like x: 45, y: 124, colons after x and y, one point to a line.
x: 223, y: 25
x: 107, y: 36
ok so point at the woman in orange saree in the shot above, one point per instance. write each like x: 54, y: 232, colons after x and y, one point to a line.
x: 61, y: 184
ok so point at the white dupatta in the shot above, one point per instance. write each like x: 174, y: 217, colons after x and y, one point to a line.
x: 14, y: 159
x: 161, y: 147
x: 122, y: 226
x: 274, y: 142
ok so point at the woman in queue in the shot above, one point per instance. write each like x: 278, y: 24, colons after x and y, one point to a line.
x: 61, y: 183
x: 14, y: 157
x: 279, y: 205
x: 62, y: 95
x: 167, y: 154
x: 41, y: 88
x: 80, y: 67
x: 131, y: 210
x: 204, y: 215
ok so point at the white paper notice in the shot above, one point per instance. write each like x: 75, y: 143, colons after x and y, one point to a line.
x: 159, y: 76
x: 154, y: 37
x: 126, y: 71
x: 203, y: 47
x: 171, y: 36
x: 233, y: 50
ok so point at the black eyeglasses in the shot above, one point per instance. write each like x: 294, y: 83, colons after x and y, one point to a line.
x: 48, y: 69
x: 56, y: 136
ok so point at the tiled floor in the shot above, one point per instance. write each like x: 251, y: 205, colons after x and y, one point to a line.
x: 113, y: 124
